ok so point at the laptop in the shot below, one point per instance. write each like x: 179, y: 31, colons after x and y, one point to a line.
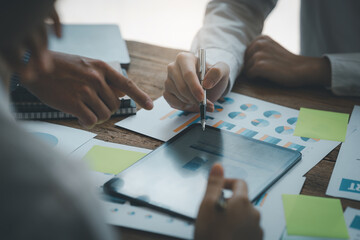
x: 102, y: 41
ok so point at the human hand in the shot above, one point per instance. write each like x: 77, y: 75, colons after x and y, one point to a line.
x: 265, y: 58
x: 87, y: 88
x: 239, y: 220
x: 182, y: 86
x: 33, y: 40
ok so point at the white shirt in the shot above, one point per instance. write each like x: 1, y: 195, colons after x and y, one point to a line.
x: 329, y: 28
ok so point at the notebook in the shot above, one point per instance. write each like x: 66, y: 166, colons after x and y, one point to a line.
x: 39, y: 110
x: 26, y: 106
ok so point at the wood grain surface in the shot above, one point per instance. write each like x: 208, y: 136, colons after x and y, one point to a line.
x: 148, y: 69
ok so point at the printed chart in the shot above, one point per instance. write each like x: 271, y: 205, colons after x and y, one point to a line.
x: 145, y: 219
x: 260, y: 122
x: 292, y: 121
x: 46, y: 137
x: 248, y: 107
x: 236, y: 113
x: 64, y: 139
x: 272, y: 114
x: 286, y: 130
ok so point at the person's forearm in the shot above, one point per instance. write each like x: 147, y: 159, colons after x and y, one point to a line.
x: 267, y: 59
x: 315, y: 71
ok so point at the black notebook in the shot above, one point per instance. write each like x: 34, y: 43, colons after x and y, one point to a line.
x: 27, y: 106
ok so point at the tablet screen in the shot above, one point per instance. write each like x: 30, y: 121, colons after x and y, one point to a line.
x: 174, y: 176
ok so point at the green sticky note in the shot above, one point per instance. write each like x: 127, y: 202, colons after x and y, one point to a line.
x: 319, y: 124
x: 314, y: 217
x: 111, y: 160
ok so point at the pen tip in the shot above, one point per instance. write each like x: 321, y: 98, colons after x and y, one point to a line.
x: 203, y: 125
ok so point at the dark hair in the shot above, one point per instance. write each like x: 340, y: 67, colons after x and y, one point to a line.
x: 19, y: 18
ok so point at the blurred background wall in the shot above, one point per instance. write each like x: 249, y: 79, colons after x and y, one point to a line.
x: 171, y: 23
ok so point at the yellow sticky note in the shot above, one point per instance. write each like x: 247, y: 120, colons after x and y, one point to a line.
x: 314, y: 217
x: 111, y: 160
x: 319, y: 124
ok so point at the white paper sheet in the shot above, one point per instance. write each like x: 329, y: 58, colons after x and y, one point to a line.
x: 345, y: 179
x: 240, y: 114
x: 144, y: 219
x: 61, y: 138
x: 352, y: 219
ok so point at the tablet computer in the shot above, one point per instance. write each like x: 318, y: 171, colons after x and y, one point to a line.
x: 173, y: 177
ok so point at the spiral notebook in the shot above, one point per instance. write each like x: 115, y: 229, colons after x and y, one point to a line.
x: 39, y: 110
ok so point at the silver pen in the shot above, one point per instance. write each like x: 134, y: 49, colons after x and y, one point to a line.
x: 202, y: 71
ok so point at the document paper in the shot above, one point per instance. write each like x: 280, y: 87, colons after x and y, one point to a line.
x: 352, y: 218
x: 239, y: 114
x: 345, y: 179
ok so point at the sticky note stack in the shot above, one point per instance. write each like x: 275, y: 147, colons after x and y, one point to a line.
x: 310, y: 217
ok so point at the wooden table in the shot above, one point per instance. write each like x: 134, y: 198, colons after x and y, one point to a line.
x: 149, y: 69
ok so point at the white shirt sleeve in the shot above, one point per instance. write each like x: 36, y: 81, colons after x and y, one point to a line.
x: 345, y: 73
x: 229, y: 26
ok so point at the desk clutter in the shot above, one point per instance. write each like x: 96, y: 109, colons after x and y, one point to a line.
x: 104, y: 160
x: 242, y: 115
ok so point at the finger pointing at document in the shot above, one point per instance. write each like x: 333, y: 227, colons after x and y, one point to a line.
x: 86, y: 88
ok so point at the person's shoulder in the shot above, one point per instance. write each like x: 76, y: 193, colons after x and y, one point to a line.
x: 43, y: 188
